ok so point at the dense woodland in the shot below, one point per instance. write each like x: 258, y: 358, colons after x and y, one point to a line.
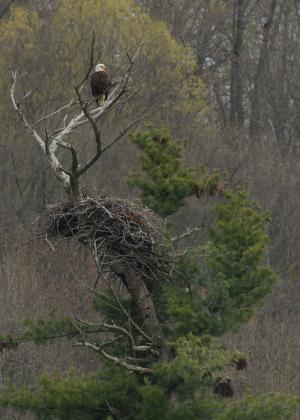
x: 213, y: 109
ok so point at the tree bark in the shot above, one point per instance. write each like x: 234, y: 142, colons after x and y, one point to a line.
x: 236, y: 86
x: 143, y: 299
x: 261, y: 74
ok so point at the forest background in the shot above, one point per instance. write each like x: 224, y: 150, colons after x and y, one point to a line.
x: 226, y: 75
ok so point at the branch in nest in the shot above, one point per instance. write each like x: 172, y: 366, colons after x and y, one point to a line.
x: 116, y: 231
x: 127, y: 240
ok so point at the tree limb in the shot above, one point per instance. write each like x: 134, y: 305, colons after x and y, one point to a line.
x: 114, y: 359
x: 97, y: 133
x: 129, y: 127
x: 46, y: 117
x: 116, y: 328
x: 54, y: 162
x: 91, y: 65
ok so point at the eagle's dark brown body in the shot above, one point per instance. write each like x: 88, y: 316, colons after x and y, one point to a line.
x: 100, y: 84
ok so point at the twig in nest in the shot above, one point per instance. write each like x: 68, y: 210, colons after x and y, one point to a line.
x: 117, y: 232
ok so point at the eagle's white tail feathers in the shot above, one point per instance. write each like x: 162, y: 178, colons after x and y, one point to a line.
x: 100, y: 100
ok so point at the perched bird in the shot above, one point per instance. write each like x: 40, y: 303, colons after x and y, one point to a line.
x: 100, y: 84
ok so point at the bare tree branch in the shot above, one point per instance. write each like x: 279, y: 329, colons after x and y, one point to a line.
x: 114, y: 359
x: 51, y: 141
x: 189, y: 232
x: 97, y: 113
x: 91, y: 65
x: 46, y: 117
x: 97, y: 134
x: 73, y: 151
x: 54, y: 162
x: 122, y: 307
x: 116, y: 328
x: 129, y: 127
x: 122, y: 363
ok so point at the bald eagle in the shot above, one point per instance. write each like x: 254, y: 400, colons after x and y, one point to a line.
x: 100, y: 84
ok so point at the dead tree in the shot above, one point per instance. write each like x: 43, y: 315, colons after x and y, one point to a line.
x: 239, y: 21
x: 124, y: 238
x: 261, y: 73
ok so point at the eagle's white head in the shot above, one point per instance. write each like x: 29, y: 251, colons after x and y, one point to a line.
x: 100, y: 67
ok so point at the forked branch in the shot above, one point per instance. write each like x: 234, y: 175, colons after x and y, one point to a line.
x: 42, y: 142
x: 50, y: 142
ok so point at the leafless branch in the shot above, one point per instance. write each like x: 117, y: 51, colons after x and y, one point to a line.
x: 114, y: 359
x: 127, y: 99
x: 73, y: 151
x: 121, y: 306
x: 54, y: 162
x: 188, y: 232
x: 24, y: 97
x: 128, y: 128
x: 97, y: 113
x: 46, y: 117
x: 21, y: 115
x: 91, y: 65
x: 50, y: 141
x: 122, y: 363
x: 97, y: 134
x: 116, y: 328
x: 130, y: 320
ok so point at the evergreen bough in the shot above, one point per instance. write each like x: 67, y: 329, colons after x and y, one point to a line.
x: 214, y: 289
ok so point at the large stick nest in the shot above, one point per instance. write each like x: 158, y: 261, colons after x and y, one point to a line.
x: 116, y: 231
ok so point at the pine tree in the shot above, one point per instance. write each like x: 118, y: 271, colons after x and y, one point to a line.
x: 165, y: 181
x: 214, y: 288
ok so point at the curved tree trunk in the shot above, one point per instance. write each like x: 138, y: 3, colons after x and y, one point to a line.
x: 143, y: 300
